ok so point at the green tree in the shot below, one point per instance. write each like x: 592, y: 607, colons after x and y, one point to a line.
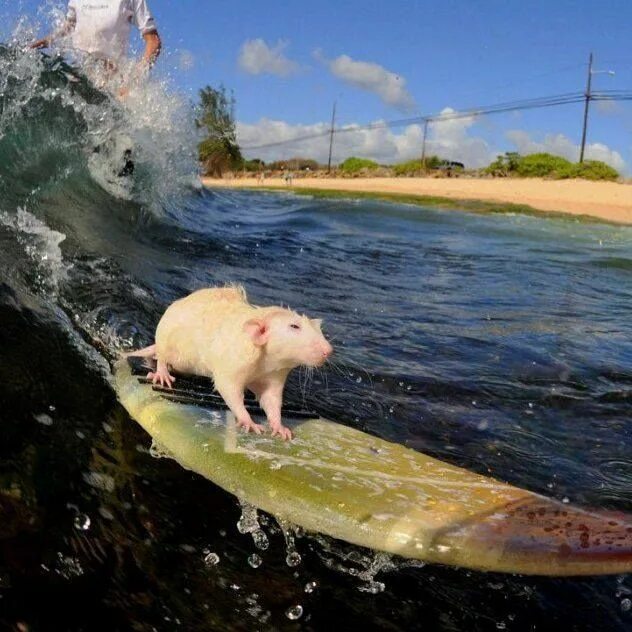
x: 219, y: 151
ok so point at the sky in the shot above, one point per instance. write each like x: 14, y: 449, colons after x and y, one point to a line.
x: 287, y: 62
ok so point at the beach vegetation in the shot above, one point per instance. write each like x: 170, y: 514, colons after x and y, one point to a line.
x: 504, y: 165
x: 595, y: 170
x: 353, y: 165
x: 254, y: 165
x: 415, y: 167
x: 544, y: 165
x: 219, y: 150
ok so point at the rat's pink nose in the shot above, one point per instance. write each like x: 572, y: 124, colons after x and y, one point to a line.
x: 327, y: 350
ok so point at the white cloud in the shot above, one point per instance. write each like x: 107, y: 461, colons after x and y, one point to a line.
x: 257, y: 58
x: 561, y: 145
x: 447, y: 139
x: 390, y: 87
x: 450, y: 139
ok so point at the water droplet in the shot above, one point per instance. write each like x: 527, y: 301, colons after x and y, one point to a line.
x: 310, y: 587
x: 255, y: 561
x: 294, y: 613
x: 358, y: 379
x: 44, y: 419
x: 373, y: 588
x: 210, y: 558
x: 565, y: 499
x: 106, y: 513
x: 82, y: 522
x: 293, y: 559
x: 626, y: 605
x: 261, y: 540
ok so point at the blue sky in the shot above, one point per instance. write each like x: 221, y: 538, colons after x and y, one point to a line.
x: 384, y: 61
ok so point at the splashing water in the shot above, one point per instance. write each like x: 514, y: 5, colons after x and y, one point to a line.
x: 249, y: 523
x: 364, y: 565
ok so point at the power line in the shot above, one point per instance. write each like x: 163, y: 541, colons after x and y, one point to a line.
x: 510, y: 106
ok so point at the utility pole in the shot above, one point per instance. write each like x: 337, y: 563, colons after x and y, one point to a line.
x: 423, y: 146
x: 581, y: 153
x: 331, y: 137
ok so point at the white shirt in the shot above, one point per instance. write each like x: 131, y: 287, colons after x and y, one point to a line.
x: 102, y: 27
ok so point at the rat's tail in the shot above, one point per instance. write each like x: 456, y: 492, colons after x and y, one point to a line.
x: 147, y: 352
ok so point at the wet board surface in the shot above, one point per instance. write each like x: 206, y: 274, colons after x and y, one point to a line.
x: 349, y: 485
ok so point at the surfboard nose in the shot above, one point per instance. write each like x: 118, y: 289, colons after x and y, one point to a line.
x: 543, y: 537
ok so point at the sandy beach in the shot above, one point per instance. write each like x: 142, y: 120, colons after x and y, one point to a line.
x: 608, y: 201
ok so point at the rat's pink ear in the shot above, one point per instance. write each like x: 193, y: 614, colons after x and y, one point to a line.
x: 258, y: 330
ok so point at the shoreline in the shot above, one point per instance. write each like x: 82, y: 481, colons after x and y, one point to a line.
x: 580, y: 199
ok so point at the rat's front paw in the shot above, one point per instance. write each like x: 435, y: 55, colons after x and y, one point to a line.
x: 278, y: 429
x: 162, y: 377
x: 248, y: 425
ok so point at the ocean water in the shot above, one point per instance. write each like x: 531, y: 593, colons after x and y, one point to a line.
x: 500, y: 343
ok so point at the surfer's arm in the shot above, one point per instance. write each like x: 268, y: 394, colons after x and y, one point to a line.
x: 144, y: 20
x: 153, y: 46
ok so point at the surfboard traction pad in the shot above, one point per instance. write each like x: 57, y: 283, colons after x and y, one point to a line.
x: 461, y: 518
x: 197, y: 390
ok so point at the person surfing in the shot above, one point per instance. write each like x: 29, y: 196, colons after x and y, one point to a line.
x: 98, y: 32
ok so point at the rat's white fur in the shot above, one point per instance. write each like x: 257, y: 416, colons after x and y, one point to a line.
x: 217, y: 333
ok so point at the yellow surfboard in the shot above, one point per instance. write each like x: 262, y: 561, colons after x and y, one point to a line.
x: 349, y: 485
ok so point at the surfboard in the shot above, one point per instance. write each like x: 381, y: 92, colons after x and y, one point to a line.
x: 339, y: 481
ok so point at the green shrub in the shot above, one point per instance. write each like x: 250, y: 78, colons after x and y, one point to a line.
x: 595, y: 170
x: 355, y: 165
x: 254, y: 165
x: 542, y: 165
x: 504, y: 165
x: 414, y: 167
x: 548, y: 166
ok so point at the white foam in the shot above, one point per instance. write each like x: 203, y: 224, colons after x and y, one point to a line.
x: 41, y: 244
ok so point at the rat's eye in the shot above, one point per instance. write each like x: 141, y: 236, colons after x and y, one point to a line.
x: 295, y: 326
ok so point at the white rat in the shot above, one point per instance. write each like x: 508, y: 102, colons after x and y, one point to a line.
x: 217, y: 333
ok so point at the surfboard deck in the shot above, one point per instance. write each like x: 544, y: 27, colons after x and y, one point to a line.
x: 344, y: 483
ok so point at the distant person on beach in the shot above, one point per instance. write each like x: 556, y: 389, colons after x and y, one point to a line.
x: 99, y: 31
